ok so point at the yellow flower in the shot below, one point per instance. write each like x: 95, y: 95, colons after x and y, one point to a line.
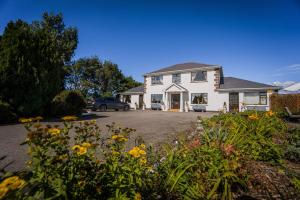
x: 143, y: 146
x: 75, y: 147
x: 81, y: 183
x: 143, y: 160
x: 270, y: 113
x: 54, y: 131
x: 119, y: 138
x: 13, y: 182
x: 137, y: 152
x: 69, y: 118
x: 93, y: 121
x: 80, y: 150
x: 142, y: 152
x: 138, y: 196
x: 253, y: 117
x: 38, y: 118
x: 25, y: 120
x: 3, y: 191
x: 86, y: 144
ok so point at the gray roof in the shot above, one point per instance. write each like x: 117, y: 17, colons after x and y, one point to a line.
x: 184, y: 66
x: 136, y: 90
x: 236, y: 83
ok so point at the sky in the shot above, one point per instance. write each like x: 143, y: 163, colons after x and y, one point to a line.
x: 254, y: 40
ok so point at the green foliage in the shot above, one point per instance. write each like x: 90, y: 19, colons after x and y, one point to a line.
x: 95, y: 78
x: 32, y: 57
x: 6, y: 113
x: 292, y: 151
x: 68, y: 102
x: 258, y: 132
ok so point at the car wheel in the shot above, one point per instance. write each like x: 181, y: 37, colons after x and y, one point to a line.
x: 103, y: 108
x: 126, y: 108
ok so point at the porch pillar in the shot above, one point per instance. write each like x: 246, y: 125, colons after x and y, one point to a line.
x: 166, y: 101
x: 181, y: 102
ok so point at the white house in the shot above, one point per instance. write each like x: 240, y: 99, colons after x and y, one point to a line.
x: 194, y: 86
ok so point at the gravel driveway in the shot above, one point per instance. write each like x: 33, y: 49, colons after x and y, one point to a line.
x: 153, y: 126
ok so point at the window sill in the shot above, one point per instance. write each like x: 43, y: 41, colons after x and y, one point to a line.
x: 156, y: 84
x: 199, y: 81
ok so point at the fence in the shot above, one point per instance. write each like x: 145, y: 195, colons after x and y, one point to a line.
x: 279, y: 101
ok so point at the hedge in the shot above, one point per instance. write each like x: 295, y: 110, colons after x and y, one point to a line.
x: 279, y: 101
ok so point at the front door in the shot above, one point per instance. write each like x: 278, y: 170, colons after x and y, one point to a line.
x: 175, y: 101
x: 141, y: 101
x: 233, y: 102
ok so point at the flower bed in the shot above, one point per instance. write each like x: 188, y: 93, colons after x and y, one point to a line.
x: 209, y: 162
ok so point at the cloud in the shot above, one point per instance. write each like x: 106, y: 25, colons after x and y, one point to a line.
x: 283, y: 84
x: 291, y: 69
x: 294, y: 67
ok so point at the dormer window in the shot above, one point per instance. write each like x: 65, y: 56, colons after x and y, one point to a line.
x: 176, y: 78
x: 157, y: 80
x: 199, y: 76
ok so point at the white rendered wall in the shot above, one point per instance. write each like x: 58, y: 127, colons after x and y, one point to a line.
x: 215, y: 99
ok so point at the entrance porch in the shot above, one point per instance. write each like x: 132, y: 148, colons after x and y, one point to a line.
x: 175, y: 98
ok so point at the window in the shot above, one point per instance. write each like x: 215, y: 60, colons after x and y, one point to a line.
x: 127, y: 98
x: 199, y: 98
x: 199, y: 76
x: 255, y: 98
x: 155, y: 80
x: 156, y: 98
x: 176, y: 78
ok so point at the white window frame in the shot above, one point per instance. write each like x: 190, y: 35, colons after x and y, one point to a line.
x: 259, y: 96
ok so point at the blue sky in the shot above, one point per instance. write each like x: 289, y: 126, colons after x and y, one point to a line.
x: 255, y: 40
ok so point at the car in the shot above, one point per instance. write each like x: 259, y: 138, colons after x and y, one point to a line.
x: 104, y: 104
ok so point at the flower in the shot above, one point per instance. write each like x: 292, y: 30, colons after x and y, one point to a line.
x: 25, y: 120
x: 86, y: 144
x: 270, y: 113
x: 253, y: 117
x: 3, y: 191
x: 143, y: 161
x: 80, y: 150
x: 38, y: 118
x: 136, y: 152
x: 13, y: 182
x: 228, y: 149
x: 119, y: 138
x: 143, y: 146
x: 54, y: 131
x: 69, y: 118
x: 138, y: 196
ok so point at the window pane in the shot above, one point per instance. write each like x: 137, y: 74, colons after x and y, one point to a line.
x: 199, y: 98
x: 199, y: 76
x: 176, y: 78
x: 251, y: 98
x: 263, y: 98
x: 156, y: 98
x: 156, y: 79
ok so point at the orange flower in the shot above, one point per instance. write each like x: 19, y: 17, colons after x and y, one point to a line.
x: 253, y: 117
x: 270, y: 113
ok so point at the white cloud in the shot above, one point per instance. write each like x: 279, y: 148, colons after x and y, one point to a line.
x: 294, y: 67
x: 283, y: 84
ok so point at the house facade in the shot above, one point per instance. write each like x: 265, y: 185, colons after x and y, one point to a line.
x: 195, y: 86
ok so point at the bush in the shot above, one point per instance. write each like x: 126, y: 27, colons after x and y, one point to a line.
x: 6, y: 114
x: 292, y: 101
x: 68, y: 102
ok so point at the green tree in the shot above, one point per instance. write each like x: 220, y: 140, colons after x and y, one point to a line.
x: 32, y: 57
x: 95, y: 78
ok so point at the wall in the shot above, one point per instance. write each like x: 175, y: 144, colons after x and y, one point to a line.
x: 134, y: 98
x: 215, y: 99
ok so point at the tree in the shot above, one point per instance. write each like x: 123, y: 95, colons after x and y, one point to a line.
x: 95, y: 78
x: 32, y: 57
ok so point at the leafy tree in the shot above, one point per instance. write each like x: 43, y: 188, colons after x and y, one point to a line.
x: 95, y: 78
x: 32, y: 57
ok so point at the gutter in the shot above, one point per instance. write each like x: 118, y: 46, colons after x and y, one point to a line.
x: 247, y: 89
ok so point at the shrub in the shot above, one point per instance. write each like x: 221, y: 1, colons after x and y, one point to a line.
x: 6, y: 114
x: 292, y: 101
x: 68, y: 102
